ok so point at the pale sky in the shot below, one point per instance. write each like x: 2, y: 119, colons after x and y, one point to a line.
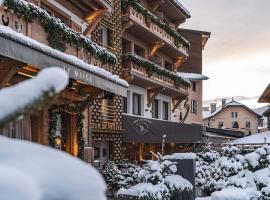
x: 237, y: 56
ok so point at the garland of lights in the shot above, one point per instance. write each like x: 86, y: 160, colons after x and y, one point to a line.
x: 151, y: 68
x: 151, y: 17
x: 56, y: 110
x: 59, y: 34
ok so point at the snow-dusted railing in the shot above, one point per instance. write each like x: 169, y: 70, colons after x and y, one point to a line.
x: 140, y: 15
x: 142, y: 66
x: 38, y: 24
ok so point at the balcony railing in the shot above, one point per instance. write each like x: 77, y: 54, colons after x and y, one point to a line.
x: 17, y: 16
x: 157, y: 28
x: 149, y: 70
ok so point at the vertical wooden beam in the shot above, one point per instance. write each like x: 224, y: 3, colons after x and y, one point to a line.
x: 93, y: 19
x: 7, y: 75
x: 178, y: 62
x: 155, y: 47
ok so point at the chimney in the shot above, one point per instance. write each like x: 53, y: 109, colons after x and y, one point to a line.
x: 213, y: 107
x: 223, y: 102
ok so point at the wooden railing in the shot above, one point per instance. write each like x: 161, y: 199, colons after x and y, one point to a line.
x: 35, y: 31
x: 162, y: 79
x: 154, y: 28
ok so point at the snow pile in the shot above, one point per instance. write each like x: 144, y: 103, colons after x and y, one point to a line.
x: 156, y: 180
x: 30, y: 171
x: 259, y: 138
x: 181, y: 156
x: 73, y: 60
x: 235, y: 194
x: 192, y: 76
x: 50, y: 80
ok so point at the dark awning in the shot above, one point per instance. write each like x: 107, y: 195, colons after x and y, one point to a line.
x: 144, y: 130
x: 30, y: 53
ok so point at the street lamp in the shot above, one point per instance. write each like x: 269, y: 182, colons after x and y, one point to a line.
x: 163, y: 144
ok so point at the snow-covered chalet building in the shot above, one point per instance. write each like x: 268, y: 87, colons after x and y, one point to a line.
x: 265, y: 98
x: 100, y: 116
x: 83, y: 38
x: 163, y: 65
x: 232, y: 116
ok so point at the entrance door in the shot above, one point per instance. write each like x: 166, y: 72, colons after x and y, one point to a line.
x: 70, y: 132
x: 101, y: 152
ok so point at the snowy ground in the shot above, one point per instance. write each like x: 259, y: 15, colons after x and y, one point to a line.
x: 31, y: 171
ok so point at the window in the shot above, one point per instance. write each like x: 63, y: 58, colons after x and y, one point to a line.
x: 220, y: 124
x: 234, y: 114
x: 168, y: 65
x: 194, y: 106
x: 124, y: 105
x: 155, y: 109
x: 193, y: 86
x: 96, y: 153
x: 235, y: 125
x: 247, y: 124
x: 136, y: 98
x: 139, y: 51
x: 106, y: 36
x: 165, y: 110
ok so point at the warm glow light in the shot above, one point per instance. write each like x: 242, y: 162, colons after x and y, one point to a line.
x: 94, y: 15
x: 155, y: 47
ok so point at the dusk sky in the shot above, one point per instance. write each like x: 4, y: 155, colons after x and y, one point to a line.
x: 237, y: 56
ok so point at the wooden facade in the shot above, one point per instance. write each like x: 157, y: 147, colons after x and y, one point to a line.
x: 95, y: 98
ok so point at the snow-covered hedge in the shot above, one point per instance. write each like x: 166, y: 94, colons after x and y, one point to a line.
x: 30, y: 171
x: 156, y: 180
x: 245, y: 177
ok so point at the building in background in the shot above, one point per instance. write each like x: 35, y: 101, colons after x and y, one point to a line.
x: 265, y: 98
x: 89, y: 109
x: 162, y: 104
x: 192, y: 70
x: 233, y: 116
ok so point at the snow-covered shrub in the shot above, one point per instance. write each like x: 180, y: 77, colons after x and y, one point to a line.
x: 207, y: 172
x: 251, y: 181
x: 120, y: 175
x: 157, y: 180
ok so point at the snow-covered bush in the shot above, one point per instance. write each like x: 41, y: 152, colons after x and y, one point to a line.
x: 30, y: 171
x: 244, y: 177
x: 120, y: 175
x: 157, y: 180
x: 214, y: 169
x: 207, y: 172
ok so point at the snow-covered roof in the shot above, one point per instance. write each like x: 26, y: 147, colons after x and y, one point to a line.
x: 29, y: 171
x: 9, y: 33
x: 192, y: 76
x: 208, y: 114
x: 180, y: 6
x: 258, y: 138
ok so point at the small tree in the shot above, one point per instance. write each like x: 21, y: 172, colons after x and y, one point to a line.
x: 207, y: 172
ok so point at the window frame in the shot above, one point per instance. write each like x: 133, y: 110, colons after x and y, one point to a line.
x: 139, y: 104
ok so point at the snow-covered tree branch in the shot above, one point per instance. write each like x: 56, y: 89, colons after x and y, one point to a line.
x: 28, y: 96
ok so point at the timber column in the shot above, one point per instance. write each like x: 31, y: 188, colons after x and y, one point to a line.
x: 107, y: 111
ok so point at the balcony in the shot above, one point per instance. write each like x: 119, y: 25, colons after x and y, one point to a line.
x: 53, y: 32
x: 146, y: 74
x: 136, y: 23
